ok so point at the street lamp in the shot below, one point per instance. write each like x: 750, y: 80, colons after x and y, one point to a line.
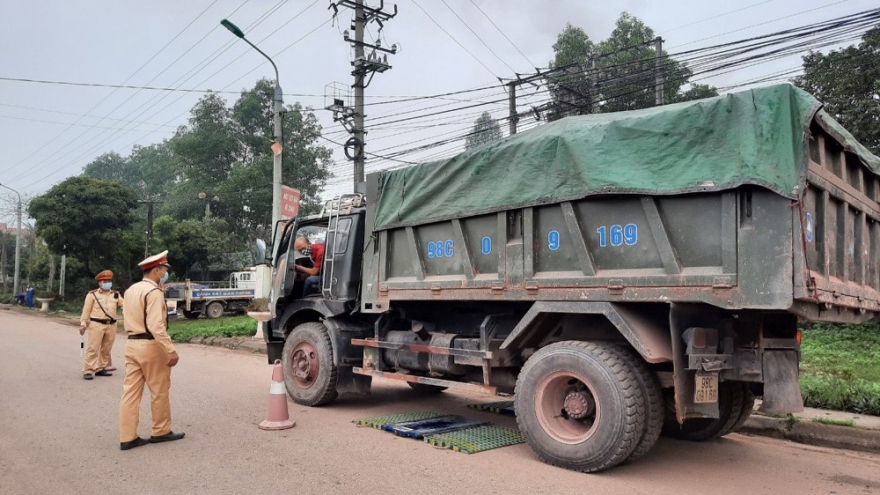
x: 15, y: 281
x: 276, y: 146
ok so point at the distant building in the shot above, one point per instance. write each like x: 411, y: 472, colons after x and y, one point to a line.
x: 6, y: 229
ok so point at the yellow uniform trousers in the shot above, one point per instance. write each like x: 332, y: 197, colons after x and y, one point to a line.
x: 145, y: 362
x: 101, y: 338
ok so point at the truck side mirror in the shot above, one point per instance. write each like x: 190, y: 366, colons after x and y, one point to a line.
x: 260, y: 251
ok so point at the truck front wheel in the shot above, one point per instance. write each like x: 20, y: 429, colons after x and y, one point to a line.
x: 214, y: 310
x: 580, y: 406
x: 309, y: 372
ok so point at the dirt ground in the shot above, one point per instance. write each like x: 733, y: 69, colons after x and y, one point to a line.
x: 60, y: 435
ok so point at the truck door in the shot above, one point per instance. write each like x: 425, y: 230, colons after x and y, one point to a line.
x: 282, y: 283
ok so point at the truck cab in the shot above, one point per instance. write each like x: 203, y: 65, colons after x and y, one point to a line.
x: 340, y: 228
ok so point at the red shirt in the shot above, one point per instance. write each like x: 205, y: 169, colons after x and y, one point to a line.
x: 317, y: 255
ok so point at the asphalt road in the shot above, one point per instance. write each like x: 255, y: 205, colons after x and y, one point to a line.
x: 59, y: 435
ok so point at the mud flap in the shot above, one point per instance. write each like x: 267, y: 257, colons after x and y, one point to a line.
x: 347, y: 382
x: 782, y: 391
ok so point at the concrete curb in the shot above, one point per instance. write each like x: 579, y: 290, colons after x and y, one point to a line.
x: 813, y: 433
x: 243, y: 343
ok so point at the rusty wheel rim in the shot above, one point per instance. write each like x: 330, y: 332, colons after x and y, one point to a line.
x: 566, y: 407
x: 304, y: 364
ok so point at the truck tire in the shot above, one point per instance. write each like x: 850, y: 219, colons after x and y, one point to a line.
x: 731, y: 396
x: 214, y: 310
x: 748, y: 405
x: 191, y: 315
x: 309, y: 372
x: 655, y: 408
x: 425, y: 389
x: 580, y: 406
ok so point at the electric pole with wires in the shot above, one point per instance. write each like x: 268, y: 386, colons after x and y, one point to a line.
x: 364, y: 64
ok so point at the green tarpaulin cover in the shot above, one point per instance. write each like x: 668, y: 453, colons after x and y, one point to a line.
x: 751, y: 137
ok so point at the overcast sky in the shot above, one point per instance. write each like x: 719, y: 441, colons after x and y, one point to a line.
x: 49, y: 132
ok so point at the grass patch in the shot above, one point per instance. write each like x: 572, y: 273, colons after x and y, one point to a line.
x: 835, y: 422
x: 57, y: 306
x: 184, y: 330
x: 840, y: 367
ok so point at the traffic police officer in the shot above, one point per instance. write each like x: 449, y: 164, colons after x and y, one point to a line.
x: 99, y: 316
x: 149, y: 356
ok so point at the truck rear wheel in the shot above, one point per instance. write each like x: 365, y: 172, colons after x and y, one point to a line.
x: 731, y: 397
x: 214, y: 310
x: 655, y: 408
x: 580, y: 406
x: 748, y: 405
x: 309, y: 372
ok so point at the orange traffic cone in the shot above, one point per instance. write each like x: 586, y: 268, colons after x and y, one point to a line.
x: 277, y: 419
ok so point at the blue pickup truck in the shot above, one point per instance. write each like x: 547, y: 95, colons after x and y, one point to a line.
x: 213, y: 299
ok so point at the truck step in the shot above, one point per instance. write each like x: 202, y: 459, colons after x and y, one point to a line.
x: 475, y: 387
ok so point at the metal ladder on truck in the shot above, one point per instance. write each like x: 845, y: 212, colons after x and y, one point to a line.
x: 335, y: 208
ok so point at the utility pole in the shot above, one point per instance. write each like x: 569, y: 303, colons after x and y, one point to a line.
x: 16, y: 281
x: 658, y: 72
x: 359, y: 76
x: 149, y: 204
x: 62, y: 277
x: 511, y: 106
x: 51, y: 280
x: 594, y: 86
x: 364, y: 65
x: 3, y: 260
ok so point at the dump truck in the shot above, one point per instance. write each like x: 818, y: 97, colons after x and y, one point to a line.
x: 621, y: 275
x: 213, y: 298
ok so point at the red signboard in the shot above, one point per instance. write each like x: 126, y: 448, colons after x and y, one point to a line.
x: 289, y: 202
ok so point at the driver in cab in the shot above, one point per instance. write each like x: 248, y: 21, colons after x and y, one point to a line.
x: 315, y: 252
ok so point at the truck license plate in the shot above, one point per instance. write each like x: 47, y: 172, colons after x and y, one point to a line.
x: 706, y: 389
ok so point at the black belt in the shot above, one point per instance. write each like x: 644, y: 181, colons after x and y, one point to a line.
x: 105, y: 321
x: 140, y: 336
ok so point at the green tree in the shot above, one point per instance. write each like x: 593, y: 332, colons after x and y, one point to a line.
x: 617, y: 74
x: 486, y: 129
x: 306, y: 162
x: 190, y: 242
x: 84, y: 217
x: 207, y: 148
x: 695, y: 92
x: 227, y: 153
x: 847, y: 81
x: 571, y: 85
x: 149, y: 170
x: 110, y: 166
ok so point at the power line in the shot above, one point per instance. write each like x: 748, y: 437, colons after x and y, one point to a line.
x: 192, y: 72
x: 824, y: 33
x: 185, y: 112
x: 111, y: 93
x: 453, y: 39
x: 78, y: 114
x: 477, y: 36
x: 502, y: 33
x: 91, y: 126
x: 762, y: 23
x: 717, y: 16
